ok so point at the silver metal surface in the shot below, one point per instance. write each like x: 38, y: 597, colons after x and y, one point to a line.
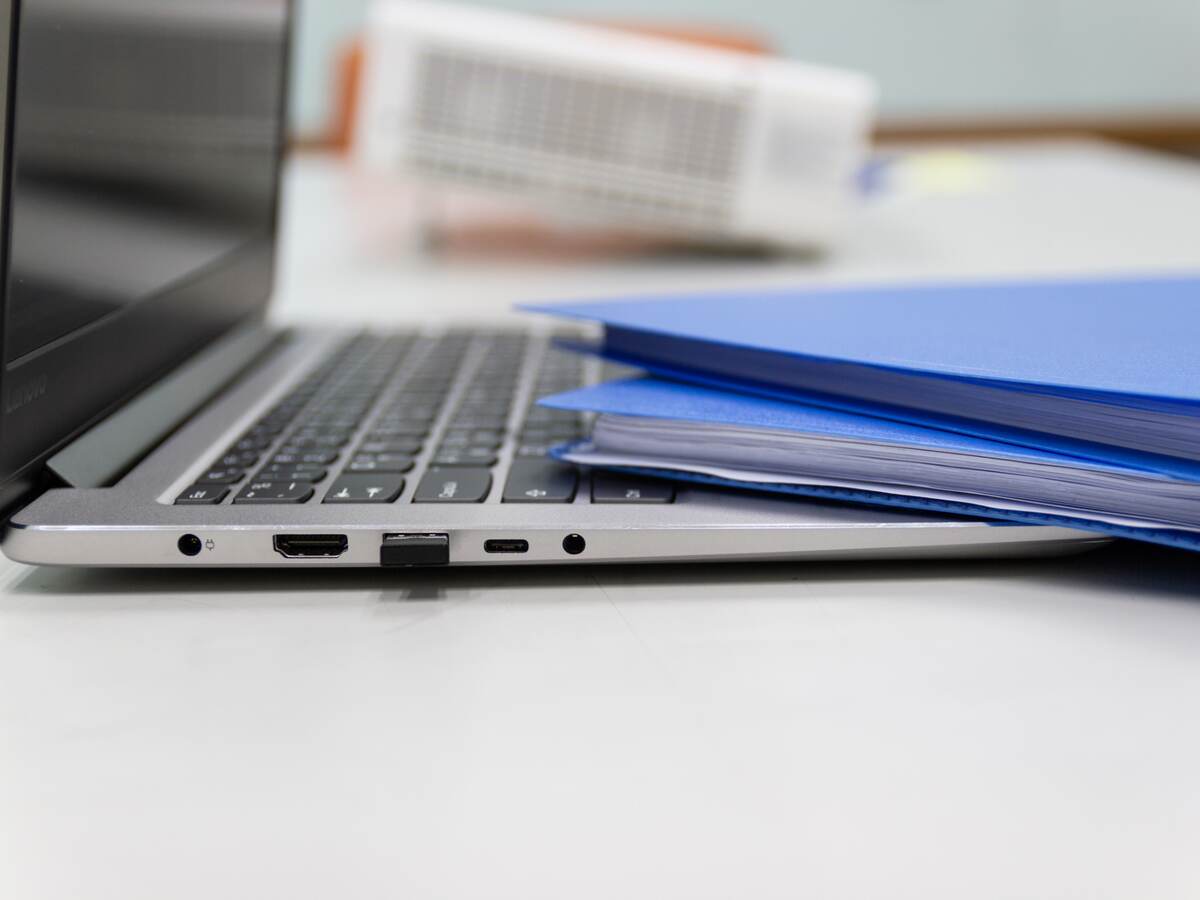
x: 134, y: 522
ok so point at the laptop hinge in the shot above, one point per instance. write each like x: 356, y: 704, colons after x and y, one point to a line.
x: 108, y: 450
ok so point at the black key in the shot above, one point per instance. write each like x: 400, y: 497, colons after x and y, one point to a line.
x: 541, y: 481
x: 467, y: 456
x: 275, y: 492
x: 487, y: 396
x: 241, y: 459
x: 202, y: 495
x: 315, y: 470
x: 313, y: 457
x: 406, y: 446
x: 254, y: 443
x: 398, y: 431
x: 222, y: 476
x: 380, y: 462
x: 477, y: 438
x: 454, y: 486
x: 532, y: 450
x: 378, y: 488
x: 330, y: 436
x: 423, y: 387
x: 609, y: 488
x: 319, y: 442
x: 334, y: 423
x: 493, y: 421
x: 284, y: 473
x: 421, y: 397
x: 414, y: 412
x: 470, y: 410
x: 553, y: 434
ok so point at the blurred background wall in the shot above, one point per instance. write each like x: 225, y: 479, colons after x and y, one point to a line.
x: 1129, y: 68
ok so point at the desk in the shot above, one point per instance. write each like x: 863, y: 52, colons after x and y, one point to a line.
x: 921, y: 730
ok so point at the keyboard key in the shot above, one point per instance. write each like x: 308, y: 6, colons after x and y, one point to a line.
x: 222, y: 476
x: 610, y: 488
x: 388, y: 431
x: 477, y: 438
x: 315, y: 471
x: 241, y: 459
x: 275, y: 492
x: 533, y: 450
x: 406, y: 446
x: 467, y: 456
x: 254, y: 443
x: 312, y: 431
x: 284, y: 473
x: 377, y: 488
x: 483, y: 410
x: 456, y: 485
x: 202, y: 495
x: 494, y: 421
x: 313, y: 457
x: 380, y: 462
x: 414, y: 412
x: 555, y: 434
x: 317, y: 442
x: 541, y: 481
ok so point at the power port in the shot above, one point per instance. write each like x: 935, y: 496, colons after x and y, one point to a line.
x: 190, y: 545
x: 574, y: 544
x: 506, y: 545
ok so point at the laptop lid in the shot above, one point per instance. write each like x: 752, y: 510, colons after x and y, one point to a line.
x: 140, y: 192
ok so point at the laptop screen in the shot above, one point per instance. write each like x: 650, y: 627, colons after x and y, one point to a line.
x: 145, y: 142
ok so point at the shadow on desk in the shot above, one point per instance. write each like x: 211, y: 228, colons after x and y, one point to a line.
x: 1122, y: 569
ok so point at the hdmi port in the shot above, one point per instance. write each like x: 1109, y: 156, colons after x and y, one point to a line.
x: 300, y: 546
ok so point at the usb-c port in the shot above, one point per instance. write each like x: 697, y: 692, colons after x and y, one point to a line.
x: 507, y: 545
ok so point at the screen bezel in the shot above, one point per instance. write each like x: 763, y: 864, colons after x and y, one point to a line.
x: 53, y: 394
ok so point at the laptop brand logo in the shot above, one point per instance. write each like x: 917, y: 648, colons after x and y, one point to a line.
x: 24, y: 394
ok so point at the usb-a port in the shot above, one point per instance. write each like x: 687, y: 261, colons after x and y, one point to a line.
x: 506, y: 545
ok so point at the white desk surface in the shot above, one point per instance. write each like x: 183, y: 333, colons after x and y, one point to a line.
x: 968, y: 730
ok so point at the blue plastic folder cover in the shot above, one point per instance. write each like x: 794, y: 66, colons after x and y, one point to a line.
x: 662, y: 399
x: 1112, y: 343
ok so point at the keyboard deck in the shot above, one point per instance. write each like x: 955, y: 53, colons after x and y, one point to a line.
x: 409, y: 418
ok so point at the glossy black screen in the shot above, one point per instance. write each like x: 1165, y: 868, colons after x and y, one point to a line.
x: 146, y: 137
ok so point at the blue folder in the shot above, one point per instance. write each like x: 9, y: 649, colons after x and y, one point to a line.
x: 663, y: 399
x: 1107, y: 348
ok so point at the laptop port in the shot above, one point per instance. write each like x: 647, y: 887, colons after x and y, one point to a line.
x: 305, y: 546
x: 506, y: 545
x: 415, y: 550
x: 190, y: 545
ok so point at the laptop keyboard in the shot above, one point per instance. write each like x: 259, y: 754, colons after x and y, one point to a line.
x: 418, y: 419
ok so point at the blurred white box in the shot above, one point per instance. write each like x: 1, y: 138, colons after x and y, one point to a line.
x: 599, y: 126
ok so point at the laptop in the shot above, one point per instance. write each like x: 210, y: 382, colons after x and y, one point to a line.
x: 150, y: 417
